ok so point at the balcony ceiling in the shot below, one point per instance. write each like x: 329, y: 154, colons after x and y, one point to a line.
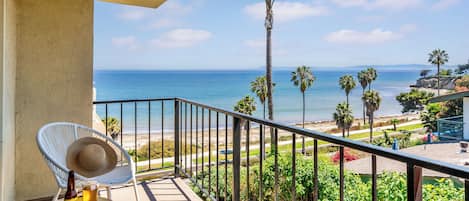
x: 141, y: 3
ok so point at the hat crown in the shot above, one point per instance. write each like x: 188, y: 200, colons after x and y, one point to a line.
x: 92, y: 157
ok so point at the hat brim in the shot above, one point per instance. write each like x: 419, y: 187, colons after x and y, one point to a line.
x: 74, y: 150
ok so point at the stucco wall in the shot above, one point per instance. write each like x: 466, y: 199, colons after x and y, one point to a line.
x: 54, y: 81
x: 7, y: 106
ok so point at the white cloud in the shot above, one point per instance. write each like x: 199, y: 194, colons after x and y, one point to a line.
x: 128, y: 42
x: 396, y: 4
x: 444, y: 4
x: 375, y: 36
x: 133, y: 14
x: 380, y: 4
x: 286, y: 11
x: 180, y: 38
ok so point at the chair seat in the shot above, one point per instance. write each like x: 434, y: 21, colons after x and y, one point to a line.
x: 118, y: 175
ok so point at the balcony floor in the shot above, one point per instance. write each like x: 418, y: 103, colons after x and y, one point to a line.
x: 174, y: 189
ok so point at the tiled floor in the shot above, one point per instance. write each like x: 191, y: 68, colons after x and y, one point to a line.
x: 156, y: 190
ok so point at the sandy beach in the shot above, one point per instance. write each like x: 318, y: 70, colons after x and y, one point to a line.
x: 128, y: 140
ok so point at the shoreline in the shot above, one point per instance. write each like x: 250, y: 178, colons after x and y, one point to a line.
x: 299, y: 124
x: 128, y: 140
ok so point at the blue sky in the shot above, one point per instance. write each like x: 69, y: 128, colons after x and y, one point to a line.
x: 222, y: 34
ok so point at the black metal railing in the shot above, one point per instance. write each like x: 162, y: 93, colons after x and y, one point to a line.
x: 451, y: 128
x: 208, y: 144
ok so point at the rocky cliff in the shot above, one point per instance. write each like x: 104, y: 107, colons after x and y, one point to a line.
x: 432, y: 82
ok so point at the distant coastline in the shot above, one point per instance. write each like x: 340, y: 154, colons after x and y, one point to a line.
x: 223, y: 88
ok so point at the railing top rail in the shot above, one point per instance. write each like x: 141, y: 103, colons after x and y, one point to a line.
x: 451, y: 118
x: 450, y: 169
x: 450, y: 122
x: 132, y: 100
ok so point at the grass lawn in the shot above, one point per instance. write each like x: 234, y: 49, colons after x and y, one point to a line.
x: 288, y: 147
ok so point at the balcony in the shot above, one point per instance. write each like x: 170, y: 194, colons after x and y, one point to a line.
x: 224, y: 155
x: 451, y: 128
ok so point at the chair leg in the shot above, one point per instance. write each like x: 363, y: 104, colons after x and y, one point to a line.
x: 137, y: 197
x: 108, y: 189
x: 56, y: 197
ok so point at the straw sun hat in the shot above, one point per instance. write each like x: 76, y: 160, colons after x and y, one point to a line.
x: 91, y: 157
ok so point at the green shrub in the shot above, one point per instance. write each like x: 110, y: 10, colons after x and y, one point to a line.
x: 392, y: 186
x: 443, y: 189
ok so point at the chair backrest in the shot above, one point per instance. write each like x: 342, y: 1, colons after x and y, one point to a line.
x: 53, y: 140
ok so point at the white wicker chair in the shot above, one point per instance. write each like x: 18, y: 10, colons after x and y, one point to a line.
x: 53, y: 139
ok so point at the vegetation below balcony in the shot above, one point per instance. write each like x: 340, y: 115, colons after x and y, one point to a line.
x: 391, y: 185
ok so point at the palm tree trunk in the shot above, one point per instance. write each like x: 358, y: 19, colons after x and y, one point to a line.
x: 438, y: 82
x: 302, y: 137
x: 363, y: 106
x: 263, y: 110
x: 371, y: 127
x: 268, y: 27
x: 347, y: 100
x: 348, y: 129
x: 263, y: 136
x: 303, y: 93
x: 343, y: 132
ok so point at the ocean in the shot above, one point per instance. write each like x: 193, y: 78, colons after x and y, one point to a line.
x: 224, y: 88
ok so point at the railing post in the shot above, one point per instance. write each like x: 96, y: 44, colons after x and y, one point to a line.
x: 176, y: 137
x: 414, y: 182
x: 236, y: 159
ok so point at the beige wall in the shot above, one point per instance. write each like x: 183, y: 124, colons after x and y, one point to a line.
x: 54, y: 81
x: 7, y: 106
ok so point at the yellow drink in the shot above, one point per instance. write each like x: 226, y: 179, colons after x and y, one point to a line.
x: 90, y: 192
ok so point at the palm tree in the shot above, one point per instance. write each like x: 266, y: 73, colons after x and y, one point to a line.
x: 343, y: 117
x: 372, y: 102
x: 303, y: 78
x: 394, y: 123
x: 246, y: 105
x: 371, y: 76
x: 259, y: 87
x: 268, y: 24
x: 363, y: 79
x: 438, y: 57
x: 113, y: 127
x: 347, y: 83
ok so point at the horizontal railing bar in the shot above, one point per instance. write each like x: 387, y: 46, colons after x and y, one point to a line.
x: 423, y: 162
x: 450, y: 121
x: 132, y: 100
x: 454, y: 117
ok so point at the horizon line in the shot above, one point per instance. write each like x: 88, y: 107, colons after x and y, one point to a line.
x: 262, y: 68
